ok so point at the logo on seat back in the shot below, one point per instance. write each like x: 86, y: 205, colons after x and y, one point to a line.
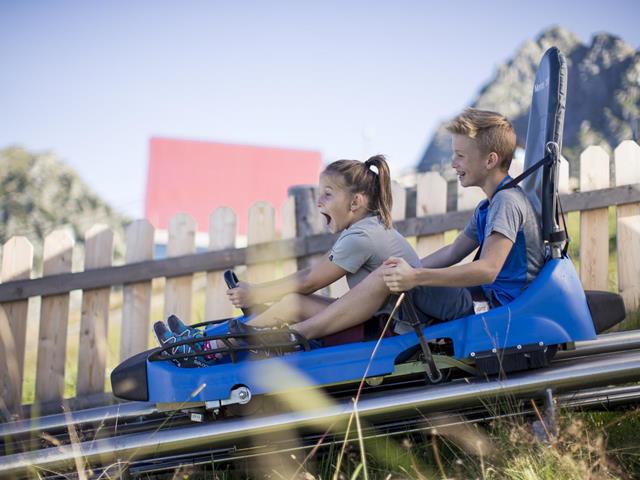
x: 541, y: 85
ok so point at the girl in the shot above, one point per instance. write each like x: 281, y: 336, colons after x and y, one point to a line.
x: 355, y: 201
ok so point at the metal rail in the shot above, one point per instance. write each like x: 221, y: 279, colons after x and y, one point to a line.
x: 604, y: 397
x: 605, y: 343
x: 568, y: 375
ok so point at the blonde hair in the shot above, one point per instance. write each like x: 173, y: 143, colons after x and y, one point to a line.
x: 492, y: 131
x: 357, y: 177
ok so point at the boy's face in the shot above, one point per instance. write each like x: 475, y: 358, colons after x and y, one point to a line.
x: 468, y: 161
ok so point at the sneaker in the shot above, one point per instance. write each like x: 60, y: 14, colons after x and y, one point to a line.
x: 185, y: 332
x: 166, y: 337
x: 263, y: 337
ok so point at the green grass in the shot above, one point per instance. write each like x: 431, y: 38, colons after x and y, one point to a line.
x: 591, y: 445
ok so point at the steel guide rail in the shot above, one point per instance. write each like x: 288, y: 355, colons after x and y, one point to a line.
x: 605, y: 343
x: 605, y: 397
x: 569, y: 375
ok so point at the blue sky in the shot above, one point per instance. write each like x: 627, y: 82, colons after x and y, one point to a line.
x: 92, y: 81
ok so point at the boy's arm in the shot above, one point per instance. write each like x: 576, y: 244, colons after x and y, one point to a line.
x: 450, y: 254
x: 400, y: 276
x: 306, y: 281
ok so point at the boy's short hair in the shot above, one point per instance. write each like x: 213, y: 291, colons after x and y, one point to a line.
x: 492, y: 131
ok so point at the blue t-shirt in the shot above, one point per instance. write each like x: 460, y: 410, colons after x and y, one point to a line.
x: 510, y: 213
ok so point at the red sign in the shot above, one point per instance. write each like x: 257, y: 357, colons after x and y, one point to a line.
x: 194, y: 177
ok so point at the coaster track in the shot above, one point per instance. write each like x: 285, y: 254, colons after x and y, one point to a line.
x: 146, y: 439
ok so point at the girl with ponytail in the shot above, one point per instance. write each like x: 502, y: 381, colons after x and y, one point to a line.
x: 355, y: 200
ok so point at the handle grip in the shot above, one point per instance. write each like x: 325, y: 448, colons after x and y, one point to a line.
x: 231, y: 279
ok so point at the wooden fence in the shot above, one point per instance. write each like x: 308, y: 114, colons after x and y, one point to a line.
x: 269, y: 254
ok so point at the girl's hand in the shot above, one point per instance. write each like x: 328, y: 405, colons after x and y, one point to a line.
x: 398, y: 274
x: 240, y: 296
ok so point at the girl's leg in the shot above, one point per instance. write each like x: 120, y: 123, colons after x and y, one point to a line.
x: 355, y: 307
x: 291, y: 308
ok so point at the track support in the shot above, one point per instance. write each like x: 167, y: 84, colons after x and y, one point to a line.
x: 545, y: 428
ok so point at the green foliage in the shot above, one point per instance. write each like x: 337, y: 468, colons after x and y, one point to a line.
x: 39, y: 194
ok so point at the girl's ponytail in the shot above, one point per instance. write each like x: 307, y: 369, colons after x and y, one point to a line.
x: 381, y: 196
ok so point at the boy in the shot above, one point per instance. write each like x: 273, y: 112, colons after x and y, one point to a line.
x: 504, y: 225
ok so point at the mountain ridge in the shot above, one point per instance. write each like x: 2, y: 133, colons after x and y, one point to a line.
x: 603, y: 94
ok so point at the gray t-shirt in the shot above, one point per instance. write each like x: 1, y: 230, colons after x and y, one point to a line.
x: 362, y: 248
x: 510, y: 213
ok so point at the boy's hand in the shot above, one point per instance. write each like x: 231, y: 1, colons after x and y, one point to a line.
x: 240, y: 296
x: 398, y: 274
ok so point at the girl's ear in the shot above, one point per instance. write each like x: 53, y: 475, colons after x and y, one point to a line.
x: 357, y: 202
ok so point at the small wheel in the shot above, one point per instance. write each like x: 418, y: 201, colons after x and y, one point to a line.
x: 246, y: 409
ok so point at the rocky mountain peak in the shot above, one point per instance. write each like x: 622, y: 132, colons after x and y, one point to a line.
x: 603, y: 98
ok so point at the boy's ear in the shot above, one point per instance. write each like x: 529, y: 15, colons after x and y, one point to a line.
x: 493, y: 160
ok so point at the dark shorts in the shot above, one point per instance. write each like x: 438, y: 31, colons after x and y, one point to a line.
x: 443, y: 303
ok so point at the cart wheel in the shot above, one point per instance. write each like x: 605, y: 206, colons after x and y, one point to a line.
x: 244, y: 410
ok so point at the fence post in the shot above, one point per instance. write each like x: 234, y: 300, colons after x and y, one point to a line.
x: 54, y: 318
x: 222, y: 235
x: 94, y: 323
x: 629, y: 261
x: 308, y: 219
x: 17, y: 262
x: 261, y: 229
x: 594, y: 224
x: 627, y: 171
x: 136, y: 306
x: 179, y: 290
x: 431, y: 199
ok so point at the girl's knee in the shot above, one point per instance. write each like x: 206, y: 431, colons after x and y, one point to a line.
x: 291, y: 299
x: 290, y: 303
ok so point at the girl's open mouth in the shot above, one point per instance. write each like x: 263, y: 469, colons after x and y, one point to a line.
x: 327, y: 218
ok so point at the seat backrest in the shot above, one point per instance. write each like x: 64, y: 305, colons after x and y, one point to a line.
x: 546, y: 122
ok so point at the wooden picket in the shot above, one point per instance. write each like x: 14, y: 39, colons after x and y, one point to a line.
x: 594, y: 224
x: 261, y: 230
x: 222, y: 235
x: 136, y: 306
x: 399, y: 207
x: 17, y: 262
x: 94, y: 322
x: 54, y: 319
x: 431, y: 199
x: 289, y: 265
x: 629, y: 261
x: 178, y: 290
x: 627, y: 171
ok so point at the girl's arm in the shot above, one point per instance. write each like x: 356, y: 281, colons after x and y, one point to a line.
x: 306, y: 281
